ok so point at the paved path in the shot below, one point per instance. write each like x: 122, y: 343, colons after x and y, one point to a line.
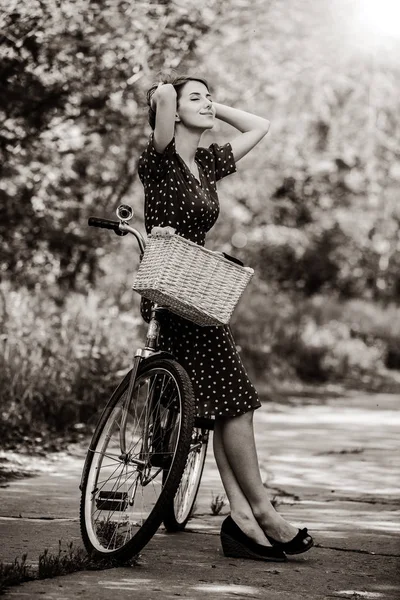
x: 333, y: 465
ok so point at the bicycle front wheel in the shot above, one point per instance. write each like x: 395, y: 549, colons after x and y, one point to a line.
x: 125, y: 493
x: 180, y: 510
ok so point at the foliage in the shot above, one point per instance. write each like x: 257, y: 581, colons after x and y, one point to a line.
x: 318, y: 340
x: 65, y: 561
x: 218, y: 501
x: 316, y: 203
x: 58, y: 366
x: 314, y: 209
x: 14, y: 573
x: 72, y: 559
x: 313, y: 245
x: 74, y: 122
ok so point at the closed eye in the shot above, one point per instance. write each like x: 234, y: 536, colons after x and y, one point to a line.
x: 195, y: 96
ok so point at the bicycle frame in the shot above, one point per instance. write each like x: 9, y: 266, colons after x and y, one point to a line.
x: 125, y: 213
x: 150, y: 349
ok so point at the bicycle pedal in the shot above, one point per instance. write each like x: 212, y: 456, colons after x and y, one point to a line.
x: 112, y: 501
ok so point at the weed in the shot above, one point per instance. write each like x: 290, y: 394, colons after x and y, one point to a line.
x: 65, y: 561
x: 317, y: 340
x: 50, y: 565
x: 58, y: 366
x: 111, y: 533
x: 217, y: 503
x: 15, y: 573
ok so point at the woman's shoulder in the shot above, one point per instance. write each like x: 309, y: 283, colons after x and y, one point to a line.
x: 154, y: 165
x: 206, y: 155
x: 217, y: 158
x: 150, y: 150
x: 213, y: 151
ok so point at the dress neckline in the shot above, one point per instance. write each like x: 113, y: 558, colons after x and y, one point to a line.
x: 197, y: 180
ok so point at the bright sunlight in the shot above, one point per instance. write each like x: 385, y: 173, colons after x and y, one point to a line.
x: 381, y: 16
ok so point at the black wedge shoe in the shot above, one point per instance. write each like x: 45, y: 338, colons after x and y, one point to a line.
x: 299, y: 544
x: 236, y: 544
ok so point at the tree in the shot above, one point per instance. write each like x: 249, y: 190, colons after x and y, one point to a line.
x: 73, y: 119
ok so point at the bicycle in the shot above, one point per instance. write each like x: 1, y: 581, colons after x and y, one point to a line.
x: 146, y: 456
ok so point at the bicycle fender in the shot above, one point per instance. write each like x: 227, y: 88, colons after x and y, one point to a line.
x: 160, y: 354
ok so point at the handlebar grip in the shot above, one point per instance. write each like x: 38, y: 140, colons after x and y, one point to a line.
x: 103, y: 223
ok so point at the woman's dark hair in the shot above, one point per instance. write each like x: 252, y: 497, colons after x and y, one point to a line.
x: 178, y: 82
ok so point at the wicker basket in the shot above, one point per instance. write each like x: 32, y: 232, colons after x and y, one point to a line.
x: 191, y: 281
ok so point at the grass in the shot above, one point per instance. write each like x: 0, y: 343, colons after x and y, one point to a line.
x: 317, y: 340
x: 60, y: 363
x: 64, y: 562
x: 15, y: 573
x: 218, y: 502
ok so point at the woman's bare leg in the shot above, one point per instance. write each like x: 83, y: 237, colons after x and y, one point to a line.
x: 236, y: 436
x: 240, y: 508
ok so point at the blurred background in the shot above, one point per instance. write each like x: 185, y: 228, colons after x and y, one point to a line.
x: 314, y: 209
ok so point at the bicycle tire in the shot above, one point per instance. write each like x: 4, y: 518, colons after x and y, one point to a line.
x: 180, y: 509
x: 124, y: 497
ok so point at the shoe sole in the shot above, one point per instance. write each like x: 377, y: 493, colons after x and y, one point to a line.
x: 233, y: 549
x: 310, y: 545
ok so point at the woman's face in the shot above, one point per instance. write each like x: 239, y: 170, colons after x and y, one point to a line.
x: 195, y: 107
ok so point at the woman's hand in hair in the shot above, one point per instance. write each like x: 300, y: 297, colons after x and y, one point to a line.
x: 162, y: 90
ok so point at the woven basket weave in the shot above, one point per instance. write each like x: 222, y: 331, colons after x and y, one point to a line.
x: 191, y: 281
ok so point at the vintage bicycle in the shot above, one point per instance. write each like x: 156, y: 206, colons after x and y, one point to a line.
x: 146, y: 456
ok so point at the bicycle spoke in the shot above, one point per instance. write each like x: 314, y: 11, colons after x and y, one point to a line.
x: 123, y: 489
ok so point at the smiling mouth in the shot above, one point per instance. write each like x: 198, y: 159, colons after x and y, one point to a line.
x: 208, y: 114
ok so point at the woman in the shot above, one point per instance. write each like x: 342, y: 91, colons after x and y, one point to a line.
x: 179, y: 179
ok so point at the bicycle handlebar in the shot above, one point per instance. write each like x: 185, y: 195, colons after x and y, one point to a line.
x: 120, y: 228
x: 106, y: 224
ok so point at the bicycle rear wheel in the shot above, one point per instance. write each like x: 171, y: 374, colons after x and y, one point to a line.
x: 179, y: 511
x: 124, y: 495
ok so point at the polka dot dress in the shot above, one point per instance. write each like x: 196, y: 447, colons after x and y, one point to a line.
x: 174, y: 197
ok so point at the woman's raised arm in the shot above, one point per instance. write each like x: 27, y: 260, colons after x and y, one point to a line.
x: 163, y: 102
x: 253, y: 128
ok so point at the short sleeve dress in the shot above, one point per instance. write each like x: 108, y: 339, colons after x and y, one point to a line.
x: 174, y: 197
